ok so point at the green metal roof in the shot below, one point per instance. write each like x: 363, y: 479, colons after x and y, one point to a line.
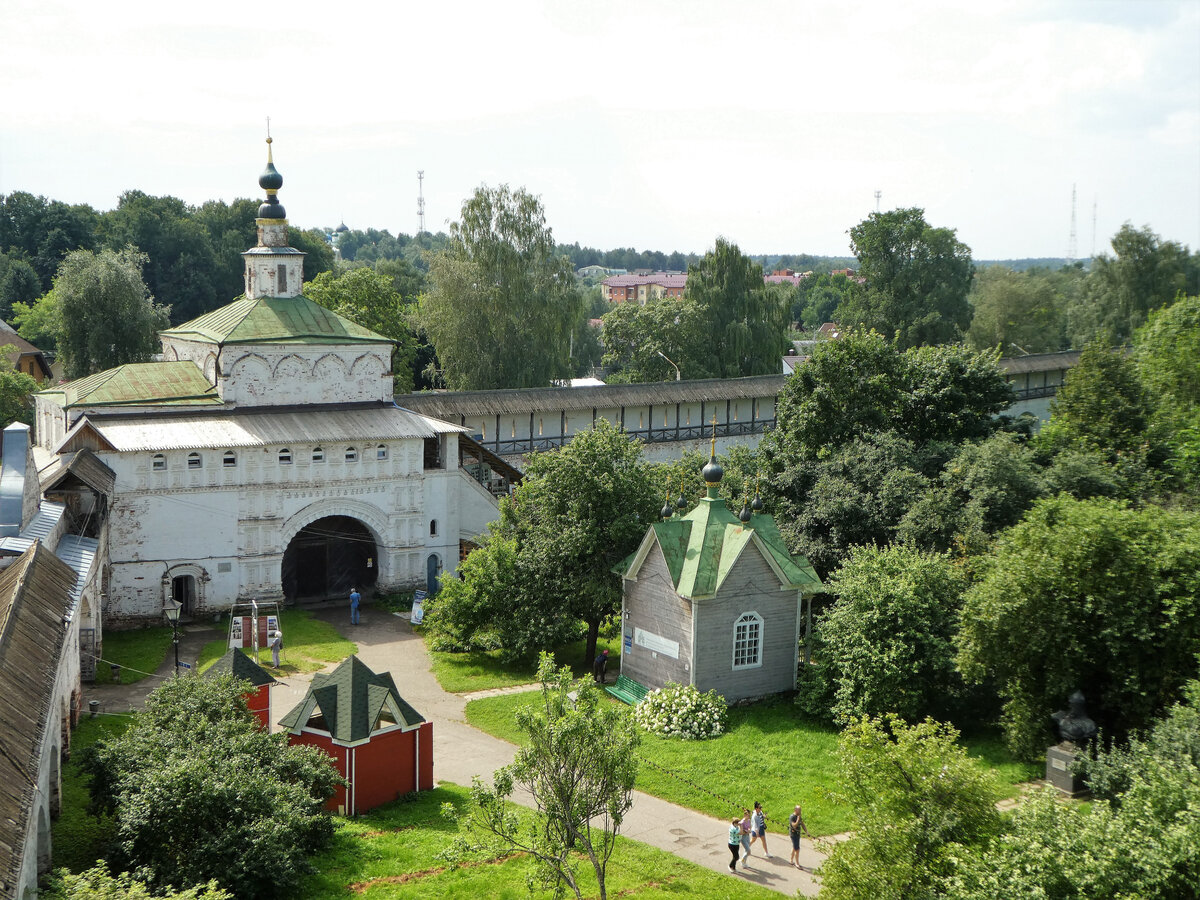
x: 239, y: 665
x: 179, y: 383
x: 274, y: 320
x: 350, y: 699
x: 702, y: 546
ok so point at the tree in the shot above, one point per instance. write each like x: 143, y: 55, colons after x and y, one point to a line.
x: 917, y: 279
x: 19, y: 284
x: 98, y: 884
x: 231, y: 231
x: 577, y: 513
x: 502, y: 305
x: 39, y: 322
x: 179, y: 261
x: 318, y: 255
x: 888, y: 640
x: 107, y: 317
x: 1146, y: 274
x: 240, y: 806
x: 746, y: 323
x: 1017, y: 312
x: 1139, y: 838
x: 919, y: 802
x: 15, y: 391
x: 637, y: 338
x: 1103, y: 408
x: 579, y: 768
x: 820, y: 296
x: 371, y: 300
x: 1088, y: 595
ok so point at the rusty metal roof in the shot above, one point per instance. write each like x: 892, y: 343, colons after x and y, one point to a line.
x: 274, y: 320
x: 82, y: 464
x: 179, y: 382
x: 451, y: 405
x: 35, y: 595
x: 258, y: 428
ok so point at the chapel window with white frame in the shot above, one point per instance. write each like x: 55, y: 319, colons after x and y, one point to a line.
x: 747, y: 641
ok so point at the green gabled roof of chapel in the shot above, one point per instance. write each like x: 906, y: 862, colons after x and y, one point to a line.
x: 702, y: 547
x: 274, y: 320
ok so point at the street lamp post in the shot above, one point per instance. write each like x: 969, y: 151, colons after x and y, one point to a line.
x: 171, y: 609
x: 675, y: 367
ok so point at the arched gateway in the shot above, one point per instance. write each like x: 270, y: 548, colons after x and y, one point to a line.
x: 327, y: 558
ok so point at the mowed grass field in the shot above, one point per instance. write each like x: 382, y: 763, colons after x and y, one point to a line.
x: 309, y: 644
x: 393, y: 852
x: 770, y: 753
x: 461, y: 673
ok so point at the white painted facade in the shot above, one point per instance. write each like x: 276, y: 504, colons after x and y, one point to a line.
x: 295, y: 423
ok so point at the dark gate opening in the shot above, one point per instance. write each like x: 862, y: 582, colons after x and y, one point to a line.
x: 183, y: 591
x: 327, y: 558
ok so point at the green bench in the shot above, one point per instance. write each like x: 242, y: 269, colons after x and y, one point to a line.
x: 628, y: 690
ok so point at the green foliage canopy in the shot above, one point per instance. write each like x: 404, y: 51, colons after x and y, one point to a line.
x: 106, y: 315
x: 919, y: 800
x: 917, y: 277
x: 746, y: 323
x: 888, y: 640
x: 579, y: 767
x: 1090, y: 595
x: 637, y: 338
x: 502, y: 305
x: 201, y: 793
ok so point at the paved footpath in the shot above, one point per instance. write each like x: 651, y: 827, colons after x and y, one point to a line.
x: 387, y: 643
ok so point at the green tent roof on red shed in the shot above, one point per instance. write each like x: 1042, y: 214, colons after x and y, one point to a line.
x: 351, y: 703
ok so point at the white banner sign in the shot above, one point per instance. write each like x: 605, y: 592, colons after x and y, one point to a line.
x: 654, y: 642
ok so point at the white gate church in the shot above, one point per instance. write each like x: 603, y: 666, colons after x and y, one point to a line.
x: 264, y: 457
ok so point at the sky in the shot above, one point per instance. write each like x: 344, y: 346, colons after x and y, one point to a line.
x: 651, y: 124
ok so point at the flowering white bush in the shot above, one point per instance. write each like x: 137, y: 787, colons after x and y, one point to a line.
x: 682, y: 711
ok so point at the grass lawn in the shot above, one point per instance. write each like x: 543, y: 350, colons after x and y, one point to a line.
x: 770, y: 753
x: 392, y: 852
x: 140, y: 651
x: 460, y: 673
x: 308, y: 644
x: 78, y: 839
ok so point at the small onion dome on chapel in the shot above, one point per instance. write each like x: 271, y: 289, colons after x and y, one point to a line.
x: 666, y: 511
x: 271, y: 181
x: 712, y: 472
x: 341, y: 229
x: 744, y: 515
x: 756, y: 504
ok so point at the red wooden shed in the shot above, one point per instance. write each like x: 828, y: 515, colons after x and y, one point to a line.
x: 258, y: 698
x: 379, y: 744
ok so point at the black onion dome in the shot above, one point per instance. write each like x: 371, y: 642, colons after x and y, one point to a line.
x: 666, y: 511
x: 270, y: 180
x: 341, y: 228
x: 756, y: 504
x: 681, y: 503
x: 744, y: 515
x: 272, y: 209
x: 712, y: 471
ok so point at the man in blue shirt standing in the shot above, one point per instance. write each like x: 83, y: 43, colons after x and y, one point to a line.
x: 354, y: 598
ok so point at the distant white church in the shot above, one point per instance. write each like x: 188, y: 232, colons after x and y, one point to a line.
x: 264, y: 456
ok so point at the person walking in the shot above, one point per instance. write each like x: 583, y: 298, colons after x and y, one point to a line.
x: 354, y: 601
x: 795, y: 826
x: 747, y: 824
x: 276, y: 646
x: 735, y: 842
x: 600, y: 667
x: 759, y: 826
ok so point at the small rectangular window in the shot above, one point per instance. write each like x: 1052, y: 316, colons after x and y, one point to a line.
x: 351, y: 454
x: 229, y: 460
x: 158, y: 462
x: 285, y: 457
x: 282, y: 278
x: 318, y: 455
x: 194, y: 461
x: 381, y: 452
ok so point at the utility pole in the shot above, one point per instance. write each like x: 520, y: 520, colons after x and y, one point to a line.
x: 1072, y: 248
x: 420, y: 201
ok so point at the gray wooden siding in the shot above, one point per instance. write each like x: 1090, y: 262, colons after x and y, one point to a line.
x: 652, y: 605
x: 751, y: 587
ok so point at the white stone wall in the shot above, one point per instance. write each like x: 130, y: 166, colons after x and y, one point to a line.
x: 233, y: 524
x: 283, y: 376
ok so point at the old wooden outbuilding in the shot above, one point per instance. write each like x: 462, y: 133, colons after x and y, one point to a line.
x: 379, y: 744
x: 714, y: 599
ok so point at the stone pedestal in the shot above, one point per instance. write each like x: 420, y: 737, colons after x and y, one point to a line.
x: 1059, y: 762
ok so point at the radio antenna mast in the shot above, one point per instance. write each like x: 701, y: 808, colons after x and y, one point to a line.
x: 420, y: 201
